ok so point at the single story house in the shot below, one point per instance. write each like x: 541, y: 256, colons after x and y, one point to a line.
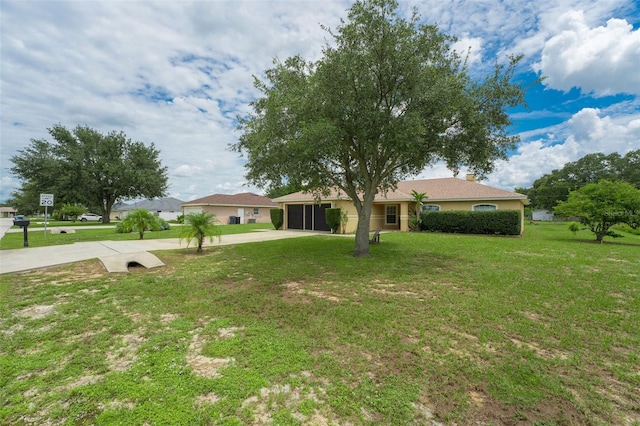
x: 167, y: 208
x: 245, y: 207
x: 391, y: 210
x: 8, y: 212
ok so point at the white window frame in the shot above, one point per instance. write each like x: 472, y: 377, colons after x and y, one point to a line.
x: 256, y: 210
x: 387, y: 214
x: 475, y: 207
x: 423, y: 209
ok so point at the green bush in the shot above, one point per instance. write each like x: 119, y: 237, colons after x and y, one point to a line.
x: 120, y: 229
x: 626, y: 228
x: 161, y: 225
x: 500, y: 222
x: 332, y: 217
x: 277, y: 218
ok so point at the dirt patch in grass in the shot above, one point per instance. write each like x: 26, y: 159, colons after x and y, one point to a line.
x: 277, y: 397
x: 121, y: 358
x: 36, y: 312
x: 203, y: 365
x: 297, y: 287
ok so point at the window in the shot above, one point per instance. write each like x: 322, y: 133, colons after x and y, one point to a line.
x: 484, y: 207
x: 430, y: 208
x: 256, y: 210
x: 391, y: 214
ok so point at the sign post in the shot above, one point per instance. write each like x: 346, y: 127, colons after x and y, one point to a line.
x: 46, y: 200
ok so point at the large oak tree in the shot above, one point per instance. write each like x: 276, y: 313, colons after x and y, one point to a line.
x: 88, y: 167
x: 387, y: 99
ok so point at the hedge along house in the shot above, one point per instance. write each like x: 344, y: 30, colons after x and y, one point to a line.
x: 243, y: 208
x: 391, y: 210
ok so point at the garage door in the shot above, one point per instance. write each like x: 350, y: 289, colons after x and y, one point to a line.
x: 309, y: 216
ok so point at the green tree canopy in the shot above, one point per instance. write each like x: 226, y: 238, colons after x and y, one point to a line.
x: 601, y: 205
x: 387, y: 99
x: 88, y: 167
x: 553, y: 187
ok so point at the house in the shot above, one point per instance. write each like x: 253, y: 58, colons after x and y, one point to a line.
x: 391, y: 210
x: 8, y: 212
x: 233, y: 208
x: 167, y: 208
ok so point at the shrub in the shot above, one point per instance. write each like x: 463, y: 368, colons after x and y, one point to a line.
x: 575, y: 227
x: 501, y: 222
x: 277, y: 217
x: 333, y: 217
x: 161, y: 225
x: 180, y: 219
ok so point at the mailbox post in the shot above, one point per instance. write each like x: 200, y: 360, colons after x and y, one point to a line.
x: 24, y: 224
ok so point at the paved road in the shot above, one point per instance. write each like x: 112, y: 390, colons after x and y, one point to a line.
x: 29, y: 258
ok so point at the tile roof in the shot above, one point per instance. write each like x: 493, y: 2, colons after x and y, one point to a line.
x: 443, y: 189
x: 247, y: 199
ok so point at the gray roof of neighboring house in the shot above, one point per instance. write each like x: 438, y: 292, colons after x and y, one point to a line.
x: 167, y: 204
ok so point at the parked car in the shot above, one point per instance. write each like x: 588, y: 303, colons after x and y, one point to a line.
x: 90, y: 217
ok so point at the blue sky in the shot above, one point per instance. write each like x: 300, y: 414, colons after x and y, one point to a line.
x: 178, y: 73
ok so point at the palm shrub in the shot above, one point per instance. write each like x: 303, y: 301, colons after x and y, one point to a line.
x: 200, y: 226
x: 140, y: 220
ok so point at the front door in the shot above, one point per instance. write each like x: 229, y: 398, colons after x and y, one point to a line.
x: 241, y: 215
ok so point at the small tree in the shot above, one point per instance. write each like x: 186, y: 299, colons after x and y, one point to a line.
x: 416, y: 218
x: 602, y: 205
x: 72, y: 211
x: 200, y: 226
x: 140, y: 220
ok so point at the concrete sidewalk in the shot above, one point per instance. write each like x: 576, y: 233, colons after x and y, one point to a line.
x: 30, y: 258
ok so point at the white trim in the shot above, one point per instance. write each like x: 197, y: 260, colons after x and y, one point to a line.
x: 422, y: 208
x: 386, y: 215
x: 473, y: 207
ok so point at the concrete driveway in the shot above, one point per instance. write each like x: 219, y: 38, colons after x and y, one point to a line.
x: 29, y: 258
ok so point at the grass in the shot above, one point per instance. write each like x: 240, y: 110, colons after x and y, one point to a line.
x: 15, y: 240
x: 543, y: 329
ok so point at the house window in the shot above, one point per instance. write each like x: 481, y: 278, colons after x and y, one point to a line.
x: 484, y: 207
x: 430, y: 208
x: 391, y: 214
x: 256, y: 210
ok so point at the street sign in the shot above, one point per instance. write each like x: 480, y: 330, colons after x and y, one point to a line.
x: 46, y: 200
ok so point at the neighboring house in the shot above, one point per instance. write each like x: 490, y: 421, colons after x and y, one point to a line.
x: 8, y: 212
x: 542, y: 215
x: 237, y: 208
x: 167, y: 208
x: 392, y: 209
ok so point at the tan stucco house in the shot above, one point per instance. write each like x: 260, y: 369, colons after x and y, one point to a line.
x: 391, y: 210
x: 244, y: 208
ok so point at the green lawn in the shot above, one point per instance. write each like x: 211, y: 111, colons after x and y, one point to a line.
x: 38, y: 238
x: 543, y: 329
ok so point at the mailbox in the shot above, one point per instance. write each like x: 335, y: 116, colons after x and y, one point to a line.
x: 24, y: 224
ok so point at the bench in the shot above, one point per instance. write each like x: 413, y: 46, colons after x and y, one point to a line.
x: 376, y: 237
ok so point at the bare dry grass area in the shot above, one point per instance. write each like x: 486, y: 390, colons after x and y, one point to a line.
x: 432, y: 329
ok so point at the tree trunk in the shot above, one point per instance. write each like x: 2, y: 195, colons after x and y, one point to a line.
x: 364, y: 223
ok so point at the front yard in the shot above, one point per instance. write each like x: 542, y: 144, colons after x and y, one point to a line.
x: 430, y: 329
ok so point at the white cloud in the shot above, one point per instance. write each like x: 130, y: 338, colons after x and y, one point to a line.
x: 469, y: 48
x: 178, y: 73
x: 589, y: 130
x: 603, y: 60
